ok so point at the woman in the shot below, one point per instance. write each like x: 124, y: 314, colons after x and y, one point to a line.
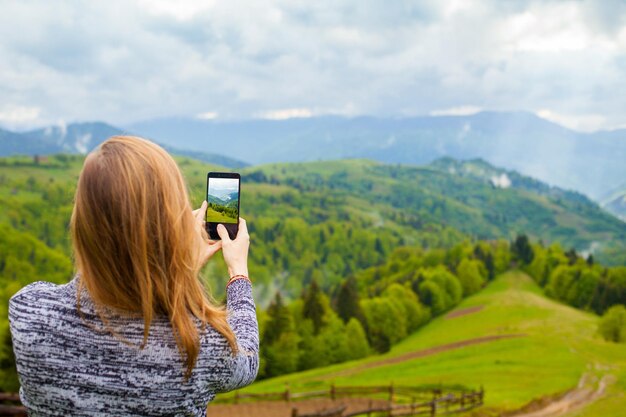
x: 134, y: 333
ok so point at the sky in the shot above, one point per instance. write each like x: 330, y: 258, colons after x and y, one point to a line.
x: 221, y: 187
x: 127, y: 61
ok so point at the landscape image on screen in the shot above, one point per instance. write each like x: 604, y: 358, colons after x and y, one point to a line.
x: 223, y: 199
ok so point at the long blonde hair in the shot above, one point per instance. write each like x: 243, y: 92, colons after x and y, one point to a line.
x: 136, y: 245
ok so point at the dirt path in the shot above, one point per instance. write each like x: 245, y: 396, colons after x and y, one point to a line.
x: 425, y: 352
x: 463, y: 312
x: 572, y: 400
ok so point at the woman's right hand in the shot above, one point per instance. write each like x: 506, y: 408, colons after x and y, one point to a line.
x: 235, y: 251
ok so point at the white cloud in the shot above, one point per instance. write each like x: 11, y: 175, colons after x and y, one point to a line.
x: 284, y: 114
x: 19, y: 115
x: 580, y: 122
x: 181, y: 9
x: 123, y: 61
x: 457, y: 111
x: 501, y: 181
x: 81, y: 143
x: 557, y: 27
x: 209, y: 115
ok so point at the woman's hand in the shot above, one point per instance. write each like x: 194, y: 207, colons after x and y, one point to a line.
x: 208, y: 248
x: 235, y: 251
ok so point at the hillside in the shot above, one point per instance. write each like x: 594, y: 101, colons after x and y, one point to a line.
x: 441, y: 194
x: 544, y: 349
x: 336, y: 217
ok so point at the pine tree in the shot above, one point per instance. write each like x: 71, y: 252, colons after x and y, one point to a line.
x: 313, y: 308
x: 279, y: 320
x: 348, y: 305
x: 489, y: 264
x: 522, y: 250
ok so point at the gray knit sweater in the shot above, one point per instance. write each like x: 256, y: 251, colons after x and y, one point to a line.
x: 68, y: 368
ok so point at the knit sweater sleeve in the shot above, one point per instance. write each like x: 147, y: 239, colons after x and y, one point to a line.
x: 242, y: 319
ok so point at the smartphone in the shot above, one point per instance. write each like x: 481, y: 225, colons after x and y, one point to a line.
x: 222, y: 195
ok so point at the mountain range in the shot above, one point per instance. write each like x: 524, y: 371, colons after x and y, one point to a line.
x: 82, y: 138
x: 587, y: 162
x: 591, y: 163
x: 224, y: 200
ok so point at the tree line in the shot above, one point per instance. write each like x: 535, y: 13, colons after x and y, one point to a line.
x: 578, y: 281
x: 228, y: 211
x: 375, y: 308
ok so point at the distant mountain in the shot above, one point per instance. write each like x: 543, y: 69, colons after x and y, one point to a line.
x: 76, y: 137
x: 82, y: 138
x: 501, y: 178
x: 615, y: 201
x: 12, y: 143
x: 215, y: 200
x: 617, y: 206
x: 590, y: 163
x: 209, y: 158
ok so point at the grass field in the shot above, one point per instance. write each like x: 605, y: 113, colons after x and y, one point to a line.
x: 217, y: 217
x: 556, y: 346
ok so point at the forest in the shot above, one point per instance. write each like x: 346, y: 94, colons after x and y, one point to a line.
x: 376, y: 308
x: 228, y: 211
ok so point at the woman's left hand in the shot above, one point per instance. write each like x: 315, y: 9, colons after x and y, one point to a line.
x: 208, y: 247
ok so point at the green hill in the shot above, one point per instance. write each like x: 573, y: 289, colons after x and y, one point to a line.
x: 462, y: 196
x: 549, y: 349
x: 329, y: 219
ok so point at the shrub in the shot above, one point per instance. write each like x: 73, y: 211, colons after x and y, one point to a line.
x: 613, y: 324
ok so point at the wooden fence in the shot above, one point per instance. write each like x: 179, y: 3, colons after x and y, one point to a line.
x: 448, y: 404
x: 400, y: 400
x: 10, y: 405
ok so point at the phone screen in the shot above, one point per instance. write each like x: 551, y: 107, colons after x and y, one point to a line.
x: 223, y: 203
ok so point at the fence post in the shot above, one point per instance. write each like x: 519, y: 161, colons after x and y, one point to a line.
x: 433, y: 408
x: 287, y: 394
x: 391, y: 392
x: 369, y: 408
x: 412, y: 406
x: 332, y: 391
x: 236, y: 397
x: 294, y: 412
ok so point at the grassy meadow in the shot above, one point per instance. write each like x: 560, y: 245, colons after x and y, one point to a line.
x: 556, y: 347
x: 215, y: 216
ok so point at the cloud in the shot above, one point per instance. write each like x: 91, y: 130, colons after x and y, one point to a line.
x: 284, y: 114
x: 502, y: 181
x: 457, y: 111
x: 15, y: 116
x: 123, y: 61
x: 580, y: 122
x: 208, y: 115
